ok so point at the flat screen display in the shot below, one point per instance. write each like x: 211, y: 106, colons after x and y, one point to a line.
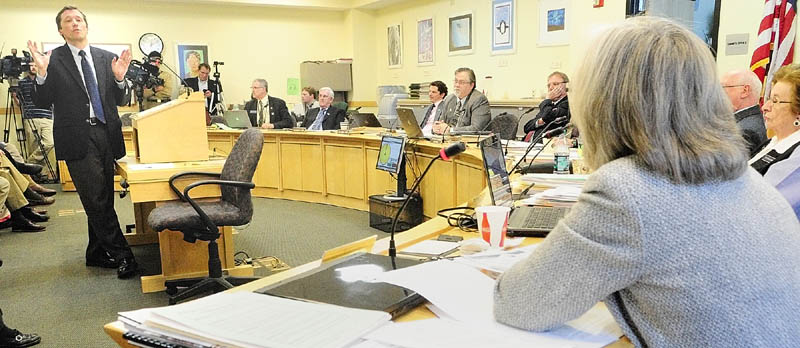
x: 390, y: 155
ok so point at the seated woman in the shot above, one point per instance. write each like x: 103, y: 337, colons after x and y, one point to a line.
x: 665, y: 231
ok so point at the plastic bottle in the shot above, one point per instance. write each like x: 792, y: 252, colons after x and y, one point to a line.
x: 561, y: 155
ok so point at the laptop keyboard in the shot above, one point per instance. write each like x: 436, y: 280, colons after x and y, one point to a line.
x: 544, y: 218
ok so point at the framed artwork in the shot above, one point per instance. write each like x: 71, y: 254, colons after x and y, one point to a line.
x: 461, y: 34
x: 113, y: 48
x: 553, y: 23
x: 394, y: 43
x: 189, y: 57
x: 425, y: 41
x: 503, y: 25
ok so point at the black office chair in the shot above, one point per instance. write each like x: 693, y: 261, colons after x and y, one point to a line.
x: 200, y: 220
x: 504, y: 125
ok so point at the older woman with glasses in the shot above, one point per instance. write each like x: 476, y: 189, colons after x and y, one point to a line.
x: 664, y: 231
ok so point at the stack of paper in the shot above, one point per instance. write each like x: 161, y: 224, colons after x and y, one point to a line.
x: 250, y: 320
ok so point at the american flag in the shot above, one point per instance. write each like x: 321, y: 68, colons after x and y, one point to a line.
x: 775, y: 42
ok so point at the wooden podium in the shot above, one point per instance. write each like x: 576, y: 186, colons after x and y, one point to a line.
x: 172, y: 132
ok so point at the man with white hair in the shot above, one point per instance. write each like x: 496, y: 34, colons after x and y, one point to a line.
x: 743, y: 89
x: 326, y: 116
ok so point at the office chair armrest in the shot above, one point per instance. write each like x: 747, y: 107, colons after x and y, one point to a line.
x: 181, y: 174
x: 210, y: 225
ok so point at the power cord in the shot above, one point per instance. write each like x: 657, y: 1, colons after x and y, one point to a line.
x: 461, y: 219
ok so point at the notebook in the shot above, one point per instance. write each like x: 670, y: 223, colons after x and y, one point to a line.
x: 409, y: 123
x: 524, y: 221
x: 364, y: 120
x: 330, y: 283
x: 237, y: 119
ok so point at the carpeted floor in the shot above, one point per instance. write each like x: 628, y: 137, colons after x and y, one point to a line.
x: 46, y: 288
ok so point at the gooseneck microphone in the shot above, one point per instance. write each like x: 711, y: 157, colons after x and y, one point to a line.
x: 535, y: 140
x: 188, y: 89
x: 445, y: 154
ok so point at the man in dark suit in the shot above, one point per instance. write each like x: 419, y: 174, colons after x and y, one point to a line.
x: 325, y: 117
x: 743, y: 89
x: 84, y: 85
x: 210, y: 88
x: 556, y: 105
x: 263, y: 104
x: 436, y: 93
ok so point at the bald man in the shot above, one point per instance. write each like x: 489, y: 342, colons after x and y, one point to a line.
x: 743, y: 89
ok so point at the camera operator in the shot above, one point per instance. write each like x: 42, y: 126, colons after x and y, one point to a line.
x: 40, y: 120
x: 207, y: 86
x: 160, y: 93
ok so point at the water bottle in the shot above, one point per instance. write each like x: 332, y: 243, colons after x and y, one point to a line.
x: 561, y: 155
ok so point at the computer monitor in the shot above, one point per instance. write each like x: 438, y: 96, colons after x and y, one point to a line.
x: 391, y: 159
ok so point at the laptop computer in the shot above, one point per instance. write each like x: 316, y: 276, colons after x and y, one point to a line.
x: 237, y: 119
x: 409, y: 123
x: 328, y: 284
x: 364, y: 120
x: 524, y: 221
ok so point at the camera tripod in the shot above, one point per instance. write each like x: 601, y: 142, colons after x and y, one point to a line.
x: 11, y: 116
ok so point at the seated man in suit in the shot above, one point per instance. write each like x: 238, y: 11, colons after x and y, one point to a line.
x: 210, y: 88
x: 436, y: 93
x: 555, y: 106
x: 308, y: 101
x: 743, y: 89
x: 266, y: 111
x: 467, y: 109
x: 324, y: 117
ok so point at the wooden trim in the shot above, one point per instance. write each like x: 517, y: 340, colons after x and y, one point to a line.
x: 363, y: 103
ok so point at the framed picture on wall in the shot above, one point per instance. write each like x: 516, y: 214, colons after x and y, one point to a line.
x: 394, y: 43
x: 189, y: 58
x: 553, y: 23
x: 113, y: 48
x: 503, y: 25
x: 425, y: 41
x: 461, y: 34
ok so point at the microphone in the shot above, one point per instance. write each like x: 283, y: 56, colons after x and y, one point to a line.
x: 534, y: 141
x: 527, y: 111
x: 446, y: 154
x: 188, y: 89
x: 555, y: 131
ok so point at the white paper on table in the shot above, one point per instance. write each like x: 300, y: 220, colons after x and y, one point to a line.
x: 430, y: 247
x: 496, y: 261
x: 461, y: 291
x: 142, y: 166
x: 245, y: 319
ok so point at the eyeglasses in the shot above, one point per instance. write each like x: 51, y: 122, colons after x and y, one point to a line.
x: 256, y: 87
x: 730, y: 86
x: 775, y: 100
x: 461, y: 82
x: 553, y: 84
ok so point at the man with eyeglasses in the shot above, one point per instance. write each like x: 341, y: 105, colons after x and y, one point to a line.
x: 556, y: 105
x: 743, y: 89
x: 467, y: 109
x: 266, y: 111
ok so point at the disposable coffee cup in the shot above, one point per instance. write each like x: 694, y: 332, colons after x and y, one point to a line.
x: 493, y: 224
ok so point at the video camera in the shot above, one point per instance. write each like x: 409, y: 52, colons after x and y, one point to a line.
x: 143, y: 74
x: 12, y: 66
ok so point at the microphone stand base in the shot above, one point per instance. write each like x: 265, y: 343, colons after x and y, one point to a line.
x: 394, y: 198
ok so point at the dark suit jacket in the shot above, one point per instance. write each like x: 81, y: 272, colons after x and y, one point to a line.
x: 333, y: 117
x: 194, y: 84
x: 549, y: 111
x: 438, y: 116
x: 278, y: 113
x: 751, y: 123
x: 64, y: 90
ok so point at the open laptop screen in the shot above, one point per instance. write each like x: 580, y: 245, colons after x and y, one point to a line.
x: 494, y: 164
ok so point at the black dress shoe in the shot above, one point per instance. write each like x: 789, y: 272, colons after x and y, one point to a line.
x: 19, y: 340
x: 127, y: 268
x: 28, y: 168
x: 32, y: 215
x: 20, y: 223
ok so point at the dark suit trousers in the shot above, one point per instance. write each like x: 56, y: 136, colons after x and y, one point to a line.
x: 93, y: 176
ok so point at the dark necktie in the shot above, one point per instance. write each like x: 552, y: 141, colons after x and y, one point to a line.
x: 260, y: 113
x: 91, y: 87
